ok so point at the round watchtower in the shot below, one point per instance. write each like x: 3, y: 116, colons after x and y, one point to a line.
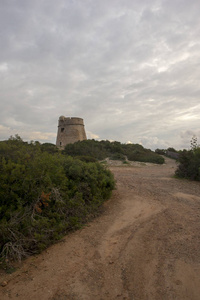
x: 70, y: 130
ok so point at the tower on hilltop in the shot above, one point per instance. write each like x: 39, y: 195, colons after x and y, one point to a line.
x: 70, y: 130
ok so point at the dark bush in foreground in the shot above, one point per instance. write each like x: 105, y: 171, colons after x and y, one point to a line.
x: 43, y: 195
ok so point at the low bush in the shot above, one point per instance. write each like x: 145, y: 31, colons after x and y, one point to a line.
x: 189, y: 164
x: 160, y: 151
x: 117, y: 156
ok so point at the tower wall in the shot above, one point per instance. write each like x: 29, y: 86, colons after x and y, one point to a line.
x: 70, y: 130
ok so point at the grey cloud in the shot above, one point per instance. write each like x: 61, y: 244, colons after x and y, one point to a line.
x: 129, y: 68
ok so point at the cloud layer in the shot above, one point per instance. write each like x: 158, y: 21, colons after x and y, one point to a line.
x: 129, y: 68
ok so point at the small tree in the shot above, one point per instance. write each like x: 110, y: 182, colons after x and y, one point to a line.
x: 189, y: 166
x: 193, y: 143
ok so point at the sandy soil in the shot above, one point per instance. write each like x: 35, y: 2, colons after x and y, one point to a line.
x: 145, y: 245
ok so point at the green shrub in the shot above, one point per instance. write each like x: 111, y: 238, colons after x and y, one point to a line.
x: 43, y: 195
x: 86, y: 158
x: 160, y: 151
x: 189, y: 164
x: 117, y: 156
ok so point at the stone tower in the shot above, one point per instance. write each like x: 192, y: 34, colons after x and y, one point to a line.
x: 70, y: 130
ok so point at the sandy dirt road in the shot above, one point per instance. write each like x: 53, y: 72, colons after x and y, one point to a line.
x: 145, y: 245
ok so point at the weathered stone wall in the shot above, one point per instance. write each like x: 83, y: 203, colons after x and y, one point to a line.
x: 70, y: 130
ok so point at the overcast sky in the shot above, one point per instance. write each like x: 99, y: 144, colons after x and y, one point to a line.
x: 129, y: 68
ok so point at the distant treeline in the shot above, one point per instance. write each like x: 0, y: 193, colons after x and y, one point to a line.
x: 170, y: 152
x: 100, y: 150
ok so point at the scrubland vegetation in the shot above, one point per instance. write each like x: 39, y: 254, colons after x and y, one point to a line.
x: 189, y: 162
x: 114, y: 150
x: 44, y: 194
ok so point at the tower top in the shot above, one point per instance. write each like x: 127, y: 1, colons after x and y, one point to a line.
x: 70, y: 120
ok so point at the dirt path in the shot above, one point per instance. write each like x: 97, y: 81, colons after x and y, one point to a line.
x: 146, y: 245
